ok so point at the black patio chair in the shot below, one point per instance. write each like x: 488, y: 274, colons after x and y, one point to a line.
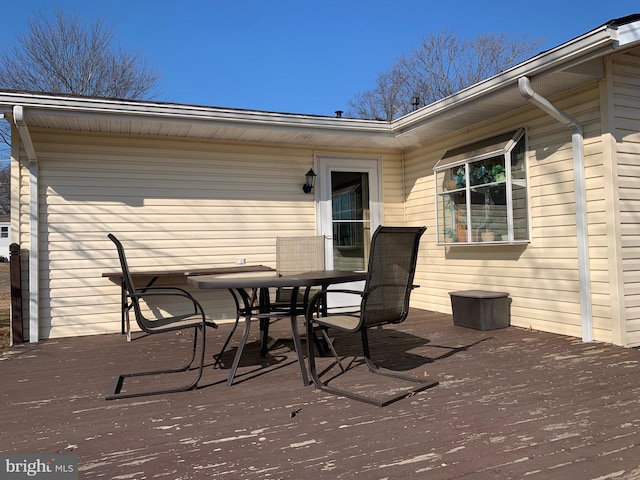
x: 195, y: 319
x: 384, y: 300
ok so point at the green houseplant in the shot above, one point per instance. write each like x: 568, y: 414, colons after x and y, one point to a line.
x: 498, y: 173
x: 460, y: 177
x: 480, y: 175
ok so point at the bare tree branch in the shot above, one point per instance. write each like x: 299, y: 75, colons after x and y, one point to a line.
x: 5, y: 188
x: 442, y: 65
x: 59, y: 54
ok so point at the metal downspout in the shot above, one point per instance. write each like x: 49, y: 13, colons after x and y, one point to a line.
x: 577, y: 138
x: 25, y: 136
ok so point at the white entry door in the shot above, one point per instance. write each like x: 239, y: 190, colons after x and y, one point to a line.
x: 349, y: 210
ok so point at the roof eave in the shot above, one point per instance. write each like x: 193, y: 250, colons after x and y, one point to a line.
x: 581, y: 49
x: 244, y: 125
x: 43, y: 103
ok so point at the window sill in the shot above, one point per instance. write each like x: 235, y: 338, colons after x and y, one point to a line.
x: 482, y: 244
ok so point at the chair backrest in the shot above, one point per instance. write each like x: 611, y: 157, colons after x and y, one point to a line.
x: 299, y: 254
x: 392, y: 266
x: 128, y: 282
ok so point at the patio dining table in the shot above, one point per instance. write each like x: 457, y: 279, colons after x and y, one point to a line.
x: 247, y: 284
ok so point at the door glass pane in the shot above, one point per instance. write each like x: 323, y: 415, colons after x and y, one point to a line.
x: 350, y: 220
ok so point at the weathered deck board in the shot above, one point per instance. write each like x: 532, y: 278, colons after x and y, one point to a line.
x: 511, y: 403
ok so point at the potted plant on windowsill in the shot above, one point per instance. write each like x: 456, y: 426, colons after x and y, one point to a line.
x: 461, y: 228
x: 487, y: 236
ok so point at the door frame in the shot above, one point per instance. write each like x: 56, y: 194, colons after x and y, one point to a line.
x: 325, y: 163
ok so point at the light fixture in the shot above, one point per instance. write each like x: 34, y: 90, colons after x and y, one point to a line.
x: 310, y: 181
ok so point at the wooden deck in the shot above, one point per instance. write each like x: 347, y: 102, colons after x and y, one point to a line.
x: 511, y: 404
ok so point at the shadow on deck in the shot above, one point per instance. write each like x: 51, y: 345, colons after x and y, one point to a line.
x: 511, y: 403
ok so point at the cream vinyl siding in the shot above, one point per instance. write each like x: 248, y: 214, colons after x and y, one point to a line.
x: 542, y: 276
x: 393, y: 210
x: 626, y: 106
x: 171, y: 203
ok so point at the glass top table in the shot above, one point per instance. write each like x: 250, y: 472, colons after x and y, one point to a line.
x: 246, y: 284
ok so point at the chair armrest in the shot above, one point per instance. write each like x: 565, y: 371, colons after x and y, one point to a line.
x: 339, y: 290
x: 381, y: 285
x: 318, y: 297
x: 170, y: 292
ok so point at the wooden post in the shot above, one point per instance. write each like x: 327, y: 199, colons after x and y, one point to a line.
x: 16, y: 294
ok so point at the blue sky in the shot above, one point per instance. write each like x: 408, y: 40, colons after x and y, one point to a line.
x: 302, y: 56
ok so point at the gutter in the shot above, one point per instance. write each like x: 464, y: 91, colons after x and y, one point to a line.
x: 582, y: 235
x: 34, y: 220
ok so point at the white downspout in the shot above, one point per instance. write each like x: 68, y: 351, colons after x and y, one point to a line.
x: 25, y: 136
x: 577, y: 137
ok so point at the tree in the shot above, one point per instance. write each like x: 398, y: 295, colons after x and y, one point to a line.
x: 60, y: 54
x: 442, y: 65
x: 5, y: 190
x: 386, y: 100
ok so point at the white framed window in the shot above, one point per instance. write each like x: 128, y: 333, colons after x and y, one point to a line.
x: 481, y: 193
x: 4, y: 232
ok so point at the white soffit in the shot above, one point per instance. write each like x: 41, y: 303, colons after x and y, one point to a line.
x: 186, y: 121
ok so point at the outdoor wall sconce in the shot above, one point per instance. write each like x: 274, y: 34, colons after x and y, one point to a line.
x: 310, y: 181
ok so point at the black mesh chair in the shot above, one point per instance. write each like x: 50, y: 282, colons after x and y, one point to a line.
x: 195, y: 318
x: 297, y: 255
x: 385, y: 299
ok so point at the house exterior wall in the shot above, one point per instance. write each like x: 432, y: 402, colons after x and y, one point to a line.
x: 624, y: 98
x: 542, y: 276
x: 172, y: 203
x: 201, y: 203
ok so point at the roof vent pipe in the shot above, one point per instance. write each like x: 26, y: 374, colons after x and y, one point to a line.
x: 580, y: 198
